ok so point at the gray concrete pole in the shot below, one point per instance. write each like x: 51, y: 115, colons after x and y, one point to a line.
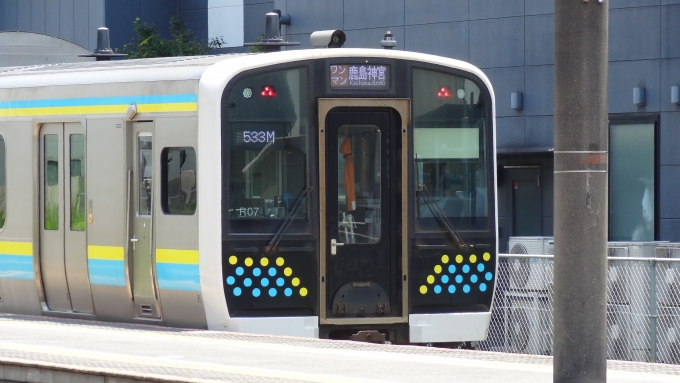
x: 581, y: 166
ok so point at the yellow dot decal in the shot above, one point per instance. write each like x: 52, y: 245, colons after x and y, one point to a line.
x: 423, y: 289
x: 459, y: 258
x: 296, y: 282
x: 264, y: 261
x: 279, y: 261
x: 430, y: 279
x: 303, y: 291
x: 473, y: 258
x: 445, y: 258
x: 233, y: 260
x: 249, y: 261
x: 486, y: 256
x: 287, y: 271
x: 438, y: 269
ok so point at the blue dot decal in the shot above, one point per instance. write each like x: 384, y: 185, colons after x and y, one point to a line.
x: 488, y: 276
x: 459, y: 278
x: 445, y: 279
x: 480, y: 267
x: 482, y: 287
x: 466, y: 269
x: 437, y: 289
x: 279, y: 282
x: 288, y: 292
x: 272, y: 271
x: 452, y: 269
x: 256, y: 292
x: 239, y: 271
x: 257, y: 271
x: 237, y: 291
x: 466, y: 289
x: 272, y: 292
x: 473, y: 279
x: 264, y: 282
x: 247, y: 282
x: 231, y: 280
x: 452, y: 289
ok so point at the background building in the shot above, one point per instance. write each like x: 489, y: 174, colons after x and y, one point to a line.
x: 511, y: 40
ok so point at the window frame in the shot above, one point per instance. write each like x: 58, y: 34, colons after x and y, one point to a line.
x: 164, y: 180
x: 635, y: 119
x: 297, y: 228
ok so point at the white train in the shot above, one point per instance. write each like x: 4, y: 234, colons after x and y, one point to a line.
x: 313, y: 193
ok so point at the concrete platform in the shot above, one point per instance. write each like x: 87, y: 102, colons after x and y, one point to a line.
x: 38, y: 349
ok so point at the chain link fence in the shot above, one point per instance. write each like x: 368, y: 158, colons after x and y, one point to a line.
x: 643, y: 306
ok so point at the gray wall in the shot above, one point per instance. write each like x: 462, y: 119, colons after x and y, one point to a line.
x: 512, y: 41
x: 72, y: 20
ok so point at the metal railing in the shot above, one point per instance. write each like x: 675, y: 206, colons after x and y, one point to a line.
x: 643, y: 308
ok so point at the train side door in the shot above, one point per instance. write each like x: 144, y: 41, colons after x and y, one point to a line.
x: 63, y: 241
x: 363, y: 247
x: 143, y: 273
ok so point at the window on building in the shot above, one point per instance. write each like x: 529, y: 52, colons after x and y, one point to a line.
x: 632, y: 181
x: 3, y: 186
x: 179, y: 181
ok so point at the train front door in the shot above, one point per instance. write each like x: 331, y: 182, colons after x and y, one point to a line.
x: 363, y: 206
x: 63, y: 242
x: 142, y: 266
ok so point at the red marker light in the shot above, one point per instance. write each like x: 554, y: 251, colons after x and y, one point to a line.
x: 268, y: 91
x: 444, y: 92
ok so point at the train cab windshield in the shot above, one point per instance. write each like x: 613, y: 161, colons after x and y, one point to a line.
x: 449, y: 152
x: 267, y: 161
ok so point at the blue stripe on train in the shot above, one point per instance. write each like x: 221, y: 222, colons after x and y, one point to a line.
x: 160, y: 99
x: 16, y: 266
x: 106, y: 272
x: 175, y: 276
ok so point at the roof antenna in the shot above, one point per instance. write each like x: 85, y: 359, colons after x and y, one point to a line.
x: 103, y: 51
x: 388, y: 41
x: 272, y: 41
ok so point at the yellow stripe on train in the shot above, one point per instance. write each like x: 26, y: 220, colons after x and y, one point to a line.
x: 16, y: 248
x: 98, y: 109
x: 107, y: 253
x: 183, y: 257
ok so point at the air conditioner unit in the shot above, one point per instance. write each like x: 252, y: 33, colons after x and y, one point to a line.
x: 528, y: 323
x: 669, y: 335
x: 618, y: 276
x: 618, y: 331
x: 530, y: 273
x: 668, y: 275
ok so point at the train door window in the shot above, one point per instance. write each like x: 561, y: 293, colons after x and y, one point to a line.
x: 77, y: 149
x: 51, y: 201
x: 632, y: 181
x: 3, y: 186
x: 266, y: 156
x: 179, y: 181
x: 359, y: 168
x: 145, y: 174
x: 449, y: 151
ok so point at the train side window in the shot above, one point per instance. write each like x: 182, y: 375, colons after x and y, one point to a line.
x: 179, y: 181
x: 3, y: 186
x: 51, y: 209
x: 77, y: 170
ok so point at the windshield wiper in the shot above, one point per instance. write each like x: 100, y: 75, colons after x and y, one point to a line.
x: 292, y: 212
x: 439, y: 214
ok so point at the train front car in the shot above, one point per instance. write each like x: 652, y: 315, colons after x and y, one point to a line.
x: 357, y: 193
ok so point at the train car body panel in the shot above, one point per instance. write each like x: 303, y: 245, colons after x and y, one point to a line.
x: 167, y: 236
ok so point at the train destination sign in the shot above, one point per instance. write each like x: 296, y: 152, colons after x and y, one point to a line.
x: 359, y: 76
